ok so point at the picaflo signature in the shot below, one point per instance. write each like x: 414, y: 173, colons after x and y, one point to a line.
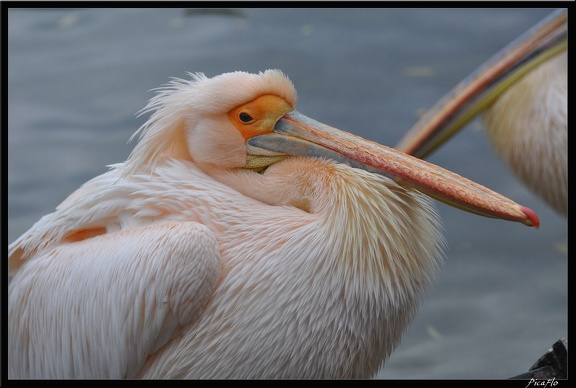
x: 542, y: 383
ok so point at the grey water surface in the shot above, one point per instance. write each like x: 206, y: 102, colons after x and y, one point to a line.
x: 77, y: 77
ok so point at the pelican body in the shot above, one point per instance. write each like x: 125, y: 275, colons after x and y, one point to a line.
x: 240, y: 239
x: 522, y: 93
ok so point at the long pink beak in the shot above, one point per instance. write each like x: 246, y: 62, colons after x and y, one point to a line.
x: 296, y: 134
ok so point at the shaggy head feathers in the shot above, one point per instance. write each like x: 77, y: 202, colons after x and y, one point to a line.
x: 182, y: 102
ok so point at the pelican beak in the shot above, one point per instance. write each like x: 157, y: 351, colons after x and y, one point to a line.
x: 296, y: 134
x: 475, y: 93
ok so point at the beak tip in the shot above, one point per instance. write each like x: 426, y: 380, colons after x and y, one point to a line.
x: 532, y: 217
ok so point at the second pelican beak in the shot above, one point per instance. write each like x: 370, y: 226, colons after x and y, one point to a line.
x: 481, y: 88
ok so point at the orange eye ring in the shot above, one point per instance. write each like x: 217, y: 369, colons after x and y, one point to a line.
x: 257, y: 117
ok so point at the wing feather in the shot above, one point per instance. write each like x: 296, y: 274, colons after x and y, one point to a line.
x: 109, y: 301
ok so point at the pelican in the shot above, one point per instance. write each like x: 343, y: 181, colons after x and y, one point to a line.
x: 240, y: 239
x: 522, y: 92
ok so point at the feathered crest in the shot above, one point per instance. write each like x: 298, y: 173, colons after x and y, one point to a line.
x: 180, y: 103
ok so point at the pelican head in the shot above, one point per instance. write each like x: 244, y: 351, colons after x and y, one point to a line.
x: 262, y: 128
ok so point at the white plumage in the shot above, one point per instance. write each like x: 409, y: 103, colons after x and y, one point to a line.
x: 205, y: 255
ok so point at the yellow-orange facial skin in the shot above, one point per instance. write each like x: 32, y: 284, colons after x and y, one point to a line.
x: 258, y: 116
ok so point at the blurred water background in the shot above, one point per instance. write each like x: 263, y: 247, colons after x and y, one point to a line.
x: 76, y: 78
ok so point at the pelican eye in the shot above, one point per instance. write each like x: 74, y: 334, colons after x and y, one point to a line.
x: 245, y: 117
